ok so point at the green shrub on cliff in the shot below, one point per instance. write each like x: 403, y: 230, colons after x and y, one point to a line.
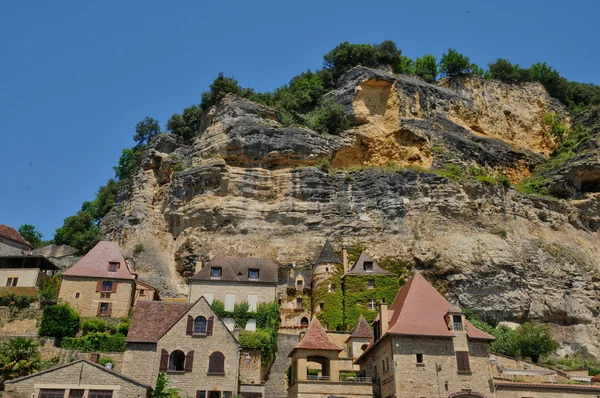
x: 329, y: 117
x: 426, y: 67
x: 454, y: 63
x: 59, y: 321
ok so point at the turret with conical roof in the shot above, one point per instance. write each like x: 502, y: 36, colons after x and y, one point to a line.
x: 361, y: 337
x: 326, y: 285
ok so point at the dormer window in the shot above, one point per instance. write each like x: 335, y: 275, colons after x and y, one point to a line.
x: 368, y: 266
x: 299, y: 283
x: 113, y: 267
x: 457, y: 320
x: 253, y: 273
x: 215, y: 272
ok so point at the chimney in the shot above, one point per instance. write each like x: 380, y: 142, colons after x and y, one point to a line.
x: 345, y: 259
x: 384, y: 319
x: 198, y: 266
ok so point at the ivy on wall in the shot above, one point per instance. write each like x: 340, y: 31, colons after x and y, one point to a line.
x: 357, y: 295
x: 332, y: 316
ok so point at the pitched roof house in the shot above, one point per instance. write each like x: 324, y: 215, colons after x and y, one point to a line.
x: 422, y: 331
x: 11, y: 242
x: 189, y: 342
x: 361, y: 337
x: 366, y: 266
x: 234, y: 280
x: 101, y: 283
x: 80, y: 378
x: 22, y: 274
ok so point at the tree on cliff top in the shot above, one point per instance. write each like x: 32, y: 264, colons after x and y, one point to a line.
x: 454, y: 63
x: 346, y: 56
x: 146, y: 130
x: 31, y: 235
x: 220, y: 87
x: 78, y: 231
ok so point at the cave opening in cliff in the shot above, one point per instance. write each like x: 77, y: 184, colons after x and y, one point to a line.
x: 590, y: 185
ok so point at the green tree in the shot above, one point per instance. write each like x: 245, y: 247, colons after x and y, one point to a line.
x: 406, y: 66
x: 220, y: 87
x: 31, y: 235
x: 346, y: 56
x: 454, y: 63
x: 49, y: 290
x: 388, y: 55
x: 426, y: 68
x: 329, y: 117
x: 146, y: 130
x: 535, y: 340
x: 78, y: 231
x: 59, y: 321
x: 503, y: 70
x: 162, y: 389
x: 186, y: 125
x: 557, y: 86
x: 129, y: 160
x: 18, y: 357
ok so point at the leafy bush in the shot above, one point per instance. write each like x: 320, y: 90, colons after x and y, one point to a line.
x: 18, y: 357
x: 102, y: 342
x: 454, y: 63
x: 218, y: 307
x: 186, y: 125
x: 129, y: 161
x: 534, y: 340
x: 12, y: 300
x: 329, y: 117
x: 218, y: 89
x: 59, y: 321
x: 124, y: 326
x: 162, y: 389
x: 94, y: 325
x: 104, y: 360
x: 49, y: 290
x: 406, y: 66
x: 558, y: 130
x: 426, y: 68
x: 138, y: 248
x: 503, y: 70
x: 451, y: 171
x: 324, y: 165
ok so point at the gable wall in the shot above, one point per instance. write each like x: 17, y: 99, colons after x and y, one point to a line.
x: 87, y: 303
x: 28, y: 277
x: 241, y: 290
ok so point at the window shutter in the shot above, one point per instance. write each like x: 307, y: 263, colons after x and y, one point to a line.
x: 190, y: 325
x: 99, y: 306
x: 164, y: 360
x: 189, y: 361
x: 462, y: 361
x: 209, y: 326
x: 98, y: 286
x: 114, y: 287
x: 109, y: 312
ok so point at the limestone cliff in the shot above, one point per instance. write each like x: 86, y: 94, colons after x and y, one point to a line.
x: 246, y: 186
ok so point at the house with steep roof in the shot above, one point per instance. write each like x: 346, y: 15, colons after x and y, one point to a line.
x: 188, y: 342
x: 100, y: 284
x: 234, y: 280
x: 81, y: 379
x: 317, y: 347
x: 23, y: 274
x: 424, y: 347
x: 359, y: 340
x: 12, y: 243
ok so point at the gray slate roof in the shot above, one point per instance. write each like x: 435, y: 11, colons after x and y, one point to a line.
x: 327, y: 255
x: 359, y: 269
x: 235, y: 269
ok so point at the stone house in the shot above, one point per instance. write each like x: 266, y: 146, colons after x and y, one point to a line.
x: 424, y: 347
x: 294, y: 297
x: 317, y: 348
x: 144, y: 292
x: 12, y: 243
x: 24, y: 271
x: 189, y: 342
x: 235, y: 280
x: 100, y: 284
x: 78, y: 379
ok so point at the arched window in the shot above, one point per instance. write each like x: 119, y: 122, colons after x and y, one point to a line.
x: 177, y: 360
x: 200, y: 325
x: 364, y: 347
x: 304, y: 321
x: 216, y: 363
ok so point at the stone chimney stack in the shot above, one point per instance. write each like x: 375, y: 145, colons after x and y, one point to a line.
x: 236, y: 333
x: 384, y: 319
x: 199, y: 266
x: 345, y: 259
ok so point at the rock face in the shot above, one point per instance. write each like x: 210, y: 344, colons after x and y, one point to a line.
x: 246, y: 186
x: 62, y: 256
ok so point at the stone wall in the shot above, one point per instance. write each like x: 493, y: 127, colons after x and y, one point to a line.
x: 318, y: 389
x: 19, y: 322
x: 217, y: 290
x: 519, y: 390
x: 10, y: 248
x: 250, y: 367
x: 87, y: 302
x: 80, y: 376
x: 28, y: 277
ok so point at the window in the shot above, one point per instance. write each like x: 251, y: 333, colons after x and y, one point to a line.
x: 100, y: 394
x: 104, y: 295
x: 215, y: 272
x: 322, y: 306
x: 142, y: 292
x: 252, y: 302
x: 462, y: 361
x: 326, y: 269
x: 76, y: 295
x: 76, y: 393
x: 372, y: 305
x: 113, y: 267
x: 107, y: 286
x: 371, y: 284
x: 229, y: 302
x: 331, y: 288
x: 216, y: 363
x: 200, y: 394
x: 457, y: 322
x: 226, y: 394
x: 12, y: 282
x: 253, y: 273
x: 419, y: 358
x: 364, y: 347
x: 51, y: 393
x: 177, y: 361
x: 200, y: 325
x: 368, y: 265
x: 104, y: 309
x: 304, y: 322
x: 299, y: 303
x: 299, y: 283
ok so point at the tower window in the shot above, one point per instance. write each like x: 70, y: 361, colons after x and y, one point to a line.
x: 368, y: 265
x: 457, y: 319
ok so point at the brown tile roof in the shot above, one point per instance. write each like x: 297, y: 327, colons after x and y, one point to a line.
x: 327, y: 255
x: 358, y: 267
x: 316, y: 339
x: 236, y: 269
x: 11, y: 234
x: 362, y: 330
x: 145, y: 285
x: 475, y: 333
x: 95, y: 263
x: 546, y: 385
x: 152, y: 319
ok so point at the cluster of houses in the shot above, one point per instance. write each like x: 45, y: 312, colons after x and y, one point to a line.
x: 416, y: 345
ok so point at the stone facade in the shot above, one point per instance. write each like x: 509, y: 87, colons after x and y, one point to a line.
x: 252, y: 292
x: 78, y: 375
x: 81, y: 294
x: 312, y: 389
x: 142, y: 360
x: 10, y: 248
x: 521, y: 390
x: 28, y: 277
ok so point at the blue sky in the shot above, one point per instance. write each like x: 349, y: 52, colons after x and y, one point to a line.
x: 76, y: 76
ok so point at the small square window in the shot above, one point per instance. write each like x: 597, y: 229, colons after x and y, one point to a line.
x: 113, y: 267
x: 253, y: 273
x: 368, y: 265
x: 103, y: 310
x: 11, y: 282
x: 104, y: 295
x: 322, y: 306
x: 299, y: 283
x: 419, y: 358
x: 299, y: 302
x: 142, y: 292
x: 107, y: 286
x: 200, y: 394
x: 331, y: 288
x: 215, y: 272
x: 372, y: 305
x: 76, y: 295
x: 371, y: 284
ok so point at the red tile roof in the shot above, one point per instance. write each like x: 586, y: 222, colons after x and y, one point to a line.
x: 316, y: 339
x: 9, y: 233
x: 95, y: 263
x: 546, y: 385
x: 152, y: 319
x: 362, y: 330
x: 475, y: 333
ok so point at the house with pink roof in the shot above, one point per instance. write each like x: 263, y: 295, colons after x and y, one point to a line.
x: 101, y: 283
